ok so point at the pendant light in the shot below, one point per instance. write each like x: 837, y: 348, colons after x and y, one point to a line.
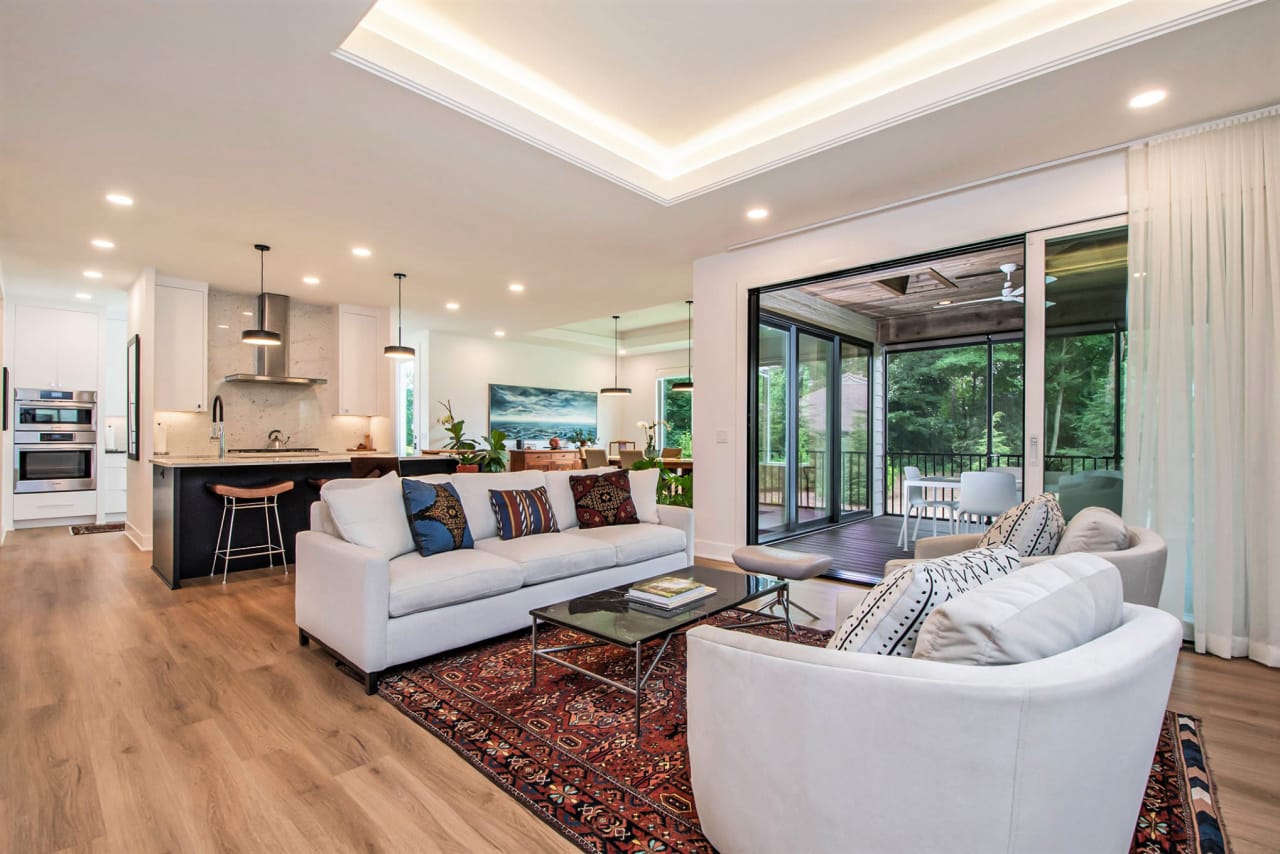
x: 687, y: 385
x: 615, y: 388
x: 261, y: 337
x: 398, y: 350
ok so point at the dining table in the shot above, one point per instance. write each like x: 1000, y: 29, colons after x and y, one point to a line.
x: 940, y: 482
x: 683, y: 465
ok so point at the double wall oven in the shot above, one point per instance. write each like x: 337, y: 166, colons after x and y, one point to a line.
x: 54, y: 440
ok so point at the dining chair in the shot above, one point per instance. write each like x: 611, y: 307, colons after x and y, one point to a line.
x: 986, y: 494
x: 628, y: 458
x: 617, y: 446
x: 595, y: 458
x: 671, y: 453
x: 917, y: 502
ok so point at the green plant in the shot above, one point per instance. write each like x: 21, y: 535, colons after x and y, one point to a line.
x: 673, y: 489
x: 581, y: 438
x: 464, y: 448
x: 493, y: 458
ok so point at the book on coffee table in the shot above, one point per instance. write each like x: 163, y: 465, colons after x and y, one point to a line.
x: 669, y: 592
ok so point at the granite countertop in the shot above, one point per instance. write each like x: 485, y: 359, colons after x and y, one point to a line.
x: 267, y: 458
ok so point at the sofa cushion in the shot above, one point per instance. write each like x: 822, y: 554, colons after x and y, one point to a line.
x: 603, y: 499
x: 1094, y: 529
x: 561, y: 494
x: 1033, y: 527
x: 546, y: 557
x: 473, y: 488
x: 369, y: 512
x: 644, y: 492
x: 1040, y: 610
x: 436, y: 518
x: 420, y: 583
x: 522, y: 512
x: 888, y: 620
x: 635, y: 543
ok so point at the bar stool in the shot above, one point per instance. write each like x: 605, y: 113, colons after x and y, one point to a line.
x: 264, y: 498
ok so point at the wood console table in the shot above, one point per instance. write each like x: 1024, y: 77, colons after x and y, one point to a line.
x: 565, y: 459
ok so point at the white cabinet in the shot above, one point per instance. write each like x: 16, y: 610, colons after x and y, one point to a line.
x: 181, y: 355
x: 55, y: 348
x: 113, y: 496
x: 360, y: 360
x: 111, y: 396
x: 29, y: 506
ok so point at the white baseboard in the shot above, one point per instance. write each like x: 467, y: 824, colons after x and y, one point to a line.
x: 141, y: 540
x: 713, y: 551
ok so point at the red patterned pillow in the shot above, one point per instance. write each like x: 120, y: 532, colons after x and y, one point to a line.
x: 603, y: 499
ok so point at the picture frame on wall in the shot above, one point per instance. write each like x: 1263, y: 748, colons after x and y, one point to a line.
x: 530, y: 413
x: 132, y: 394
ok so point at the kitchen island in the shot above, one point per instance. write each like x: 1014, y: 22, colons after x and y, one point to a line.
x: 185, y: 514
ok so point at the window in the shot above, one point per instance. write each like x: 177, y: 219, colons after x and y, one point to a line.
x: 675, y: 408
x: 406, y: 433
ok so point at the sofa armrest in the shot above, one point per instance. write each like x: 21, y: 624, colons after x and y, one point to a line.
x: 342, y: 598
x: 682, y: 519
x: 931, y: 547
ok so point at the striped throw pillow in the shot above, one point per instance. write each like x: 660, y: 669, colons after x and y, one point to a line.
x: 1034, y: 527
x: 523, y: 512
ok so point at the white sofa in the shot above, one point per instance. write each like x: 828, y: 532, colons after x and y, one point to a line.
x: 375, y: 613
x: 796, y: 748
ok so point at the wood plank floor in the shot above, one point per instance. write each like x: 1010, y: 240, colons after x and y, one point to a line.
x: 134, y: 718
x: 859, y: 549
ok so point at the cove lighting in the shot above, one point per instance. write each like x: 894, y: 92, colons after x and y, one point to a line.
x: 944, y: 302
x: 757, y: 213
x: 311, y: 280
x: 1149, y: 98
x: 223, y: 326
x: 361, y: 252
x: 92, y: 274
x: 102, y: 243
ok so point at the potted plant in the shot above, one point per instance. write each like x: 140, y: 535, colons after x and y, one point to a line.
x: 581, y: 438
x: 494, y: 457
x: 650, y: 429
x: 463, y: 448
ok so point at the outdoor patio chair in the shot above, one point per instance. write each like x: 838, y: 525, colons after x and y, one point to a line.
x: 986, y: 494
x: 917, y: 503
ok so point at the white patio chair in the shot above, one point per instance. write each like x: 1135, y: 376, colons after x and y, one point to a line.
x: 986, y: 494
x: 916, y: 501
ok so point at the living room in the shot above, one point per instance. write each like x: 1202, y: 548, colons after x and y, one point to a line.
x: 596, y: 211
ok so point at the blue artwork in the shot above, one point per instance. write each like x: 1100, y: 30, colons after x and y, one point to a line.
x: 537, y: 414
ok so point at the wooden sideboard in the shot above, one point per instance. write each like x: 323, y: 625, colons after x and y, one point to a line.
x: 565, y: 459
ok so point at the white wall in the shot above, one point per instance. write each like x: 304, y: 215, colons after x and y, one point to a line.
x: 460, y: 368
x: 142, y: 322
x: 641, y: 374
x: 1072, y: 192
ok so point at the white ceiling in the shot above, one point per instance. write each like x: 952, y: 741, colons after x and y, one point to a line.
x: 233, y: 123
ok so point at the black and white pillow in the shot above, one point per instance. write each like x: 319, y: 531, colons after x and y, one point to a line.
x: 888, y: 620
x: 1034, y: 527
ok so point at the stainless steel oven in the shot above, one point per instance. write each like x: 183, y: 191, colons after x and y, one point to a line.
x: 54, y: 461
x: 41, y: 410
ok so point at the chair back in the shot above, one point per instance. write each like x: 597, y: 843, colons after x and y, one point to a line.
x: 619, y: 445
x: 595, y: 458
x: 374, y: 466
x: 987, y: 493
x: 627, y: 458
x: 914, y: 493
x: 1016, y: 471
x: 671, y: 453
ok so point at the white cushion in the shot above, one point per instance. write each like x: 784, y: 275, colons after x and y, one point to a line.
x: 644, y: 493
x: 634, y: 543
x: 431, y: 478
x: 1040, y: 610
x: 1033, y: 527
x: 370, y: 512
x: 473, y: 488
x: 546, y: 557
x: 561, y: 494
x: 888, y: 620
x: 420, y: 583
x: 1094, y: 529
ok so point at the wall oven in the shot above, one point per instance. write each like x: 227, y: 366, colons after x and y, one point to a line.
x: 54, y: 462
x: 41, y: 410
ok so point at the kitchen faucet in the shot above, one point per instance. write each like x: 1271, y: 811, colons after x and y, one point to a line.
x: 218, y: 432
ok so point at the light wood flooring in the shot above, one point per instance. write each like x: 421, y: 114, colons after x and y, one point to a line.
x: 135, y: 718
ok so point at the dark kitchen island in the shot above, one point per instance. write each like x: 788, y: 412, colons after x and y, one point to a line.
x: 185, y: 514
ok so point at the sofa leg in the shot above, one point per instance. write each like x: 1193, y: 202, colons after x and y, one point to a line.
x: 304, y: 639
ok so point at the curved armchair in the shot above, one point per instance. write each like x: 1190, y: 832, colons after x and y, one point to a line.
x: 795, y: 748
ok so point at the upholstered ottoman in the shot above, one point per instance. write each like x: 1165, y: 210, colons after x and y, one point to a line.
x: 781, y: 563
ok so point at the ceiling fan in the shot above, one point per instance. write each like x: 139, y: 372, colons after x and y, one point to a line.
x: 1008, y: 293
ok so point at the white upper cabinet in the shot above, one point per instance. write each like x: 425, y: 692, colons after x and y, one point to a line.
x: 55, y: 348
x: 360, y: 360
x: 181, y: 357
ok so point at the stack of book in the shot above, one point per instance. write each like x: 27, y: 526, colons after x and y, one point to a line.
x: 668, y: 593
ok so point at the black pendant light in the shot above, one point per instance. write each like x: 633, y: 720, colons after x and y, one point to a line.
x: 615, y: 388
x: 398, y: 350
x: 261, y: 337
x: 687, y: 385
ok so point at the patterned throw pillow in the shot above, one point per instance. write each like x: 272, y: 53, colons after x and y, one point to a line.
x: 1033, y: 527
x: 888, y: 620
x: 436, y: 518
x: 603, y: 499
x: 522, y: 512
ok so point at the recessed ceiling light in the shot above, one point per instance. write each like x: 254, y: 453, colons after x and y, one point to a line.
x: 120, y: 199
x: 361, y: 252
x: 622, y: 351
x: 247, y: 313
x: 1149, y: 98
x: 452, y: 306
x: 515, y: 288
x: 92, y: 274
x: 311, y: 280
x: 944, y: 302
x: 102, y: 243
x: 84, y: 296
x: 757, y: 213
x: 223, y: 326
x: 499, y: 333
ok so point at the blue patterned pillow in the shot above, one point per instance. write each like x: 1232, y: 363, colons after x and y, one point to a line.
x: 436, y: 517
x: 522, y: 512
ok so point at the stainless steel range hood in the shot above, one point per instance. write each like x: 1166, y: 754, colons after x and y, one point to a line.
x: 272, y: 363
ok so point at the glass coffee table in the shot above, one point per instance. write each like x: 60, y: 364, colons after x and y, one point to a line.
x: 612, y: 620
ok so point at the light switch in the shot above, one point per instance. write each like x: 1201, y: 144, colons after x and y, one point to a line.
x: 722, y: 437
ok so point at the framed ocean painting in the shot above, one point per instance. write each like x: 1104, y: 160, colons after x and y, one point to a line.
x: 537, y: 414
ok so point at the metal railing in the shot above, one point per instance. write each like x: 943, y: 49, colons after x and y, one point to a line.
x: 811, y: 482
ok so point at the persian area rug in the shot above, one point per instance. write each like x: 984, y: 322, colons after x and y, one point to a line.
x: 567, y: 751
x: 109, y: 528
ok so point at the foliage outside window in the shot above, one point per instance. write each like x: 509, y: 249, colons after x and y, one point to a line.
x: 675, y: 408
x: 407, y: 431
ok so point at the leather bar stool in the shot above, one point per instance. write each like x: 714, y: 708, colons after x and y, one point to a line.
x: 236, y: 498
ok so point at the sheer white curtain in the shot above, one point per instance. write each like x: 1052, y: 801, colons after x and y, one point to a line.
x: 1202, y: 409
